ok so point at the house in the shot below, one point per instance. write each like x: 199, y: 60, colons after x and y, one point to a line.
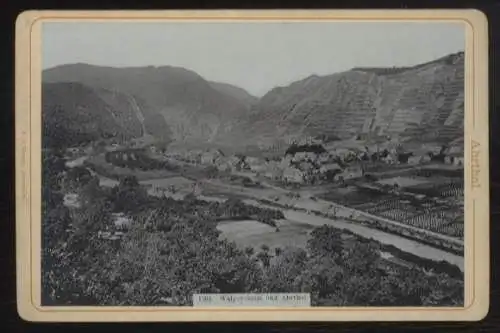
x: 73, y: 150
x: 330, y: 167
x: 435, y: 150
x: 389, y: 159
x: 306, y: 166
x: 194, y: 159
x: 414, y: 160
x: 120, y: 220
x: 250, y: 160
x: 324, y: 158
x: 448, y: 159
x: 113, y: 147
x: 425, y: 159
x: 456, y: 150
x: 234, y: 160
x: 458, y: 159
x: 297, y: 157
x: 351, y: 156
x: 209, y: 157
x: 330, y: 171
x: 223, y: 164
x: 255, y: 164
x: 293, y: 175
x: 305, y: 156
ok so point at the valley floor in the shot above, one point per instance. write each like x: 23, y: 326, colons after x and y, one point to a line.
x: 303, y: 211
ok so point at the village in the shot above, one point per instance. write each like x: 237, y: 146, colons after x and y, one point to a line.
x: 412, y: 191
x: 309, y: 163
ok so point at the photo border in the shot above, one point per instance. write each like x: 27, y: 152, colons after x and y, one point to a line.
x: 28, y: 173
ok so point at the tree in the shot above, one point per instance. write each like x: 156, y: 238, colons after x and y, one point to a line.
x: 92, y: 192
x: 234, y: 207
x: 264, y: 258
x: 325, y: 240
x: 129, y: 181
x: 52, y: 167
x: 129, y: 195
x: 211, y: 171
x: 249, y: 251
x: 73, y: 258
x: 284, y: 275
x: 404, y: 156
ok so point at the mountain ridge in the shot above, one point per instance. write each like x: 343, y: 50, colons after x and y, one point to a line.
x: 189, y: 106
x: 421, y: 102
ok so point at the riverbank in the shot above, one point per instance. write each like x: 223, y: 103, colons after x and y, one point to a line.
x: 332, y: 209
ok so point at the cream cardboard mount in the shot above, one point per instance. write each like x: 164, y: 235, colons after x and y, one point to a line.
x: 135, y: 200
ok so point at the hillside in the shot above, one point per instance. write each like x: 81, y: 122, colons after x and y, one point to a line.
x: 74, y: 114
x: 423, y: 103
x: 169, y: 99
x: 235, y: 92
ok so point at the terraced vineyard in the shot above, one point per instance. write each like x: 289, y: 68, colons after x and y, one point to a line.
x: 423, y: 103
x: 429, y: 215
x: 441, y: 210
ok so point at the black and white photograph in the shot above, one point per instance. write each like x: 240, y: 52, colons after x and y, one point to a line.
x: 323, y: 159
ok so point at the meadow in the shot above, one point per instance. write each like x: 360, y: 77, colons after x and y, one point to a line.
x: 255, y: 234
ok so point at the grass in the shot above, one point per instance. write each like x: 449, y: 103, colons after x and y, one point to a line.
x: 404, y: 181
x: 255, y: 234
x: 176, y: 181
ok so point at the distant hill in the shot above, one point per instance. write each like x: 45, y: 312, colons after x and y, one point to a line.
x: 168, y: 99
x: 74, y: 114
x: 424, y: 102
x: 235, y: 92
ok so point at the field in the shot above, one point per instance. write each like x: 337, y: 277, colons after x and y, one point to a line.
x: 430, y: 199
x: 175, y: 181
x: 353, y: 196
x: 403, y: 182
x: 255, y: 234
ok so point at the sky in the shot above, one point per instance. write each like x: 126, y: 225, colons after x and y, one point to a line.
x: 254, y: 56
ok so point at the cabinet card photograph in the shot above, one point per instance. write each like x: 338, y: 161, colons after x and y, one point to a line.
x: 252, y: 165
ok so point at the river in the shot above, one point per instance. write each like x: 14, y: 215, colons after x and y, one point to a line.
x: 402, y: 243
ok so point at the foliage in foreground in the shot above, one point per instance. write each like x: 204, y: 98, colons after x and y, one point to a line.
x: 172, y: 250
